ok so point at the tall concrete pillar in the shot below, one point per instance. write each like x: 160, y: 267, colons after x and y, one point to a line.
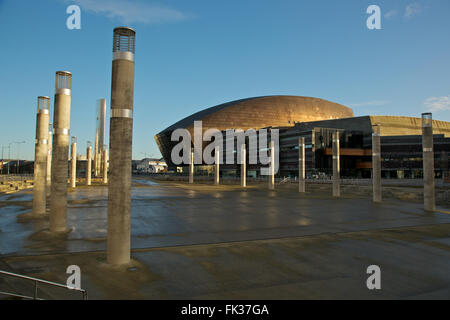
x: 376, y: 163
x: 60, y: 152
x: 272, y: 166
x: 120, y: 140
x: 243, y: 166
x: 99, y: 137
x: 217, y: 164
x: 301, y: 165
x: 444, y: 164
x: 88, y: 163
x: 73, y: 163
x: 49, y: 159
x: 336, y: 166
x: 40, y: 156
x: 191, y: 167
x: 105, y: 166
x: 428, y: 162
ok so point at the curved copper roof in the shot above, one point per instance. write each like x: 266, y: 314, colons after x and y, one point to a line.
x: 256, y: 113
x: 266, y: 111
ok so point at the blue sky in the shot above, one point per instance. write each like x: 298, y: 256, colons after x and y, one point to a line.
x: 195, y: 54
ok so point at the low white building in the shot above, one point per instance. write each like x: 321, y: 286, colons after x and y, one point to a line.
x: 149, y: 165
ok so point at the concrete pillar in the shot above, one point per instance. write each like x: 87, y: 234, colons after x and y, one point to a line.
x: 243, y: 166
x: 49, y: 159
x: 444, y: 164
x: 336, y: 166
x: 73, y: 163
x: 217, y: 169
x: 99, y: 137
x: 301, y: 165
x: 191, y: 167
x: 272, y: 166
x: 40, y: 156
x: 376, y: 163
x: 120, y: 140
x: 88, y: 164
x: 60, y: 152
x: 428, y: 162
x: 105, y: 166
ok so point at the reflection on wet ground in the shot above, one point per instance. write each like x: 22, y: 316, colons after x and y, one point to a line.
x: 171, y: 214
x: 224, y: 242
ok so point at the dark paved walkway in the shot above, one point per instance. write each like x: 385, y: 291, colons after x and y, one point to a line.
x: 224, y: 242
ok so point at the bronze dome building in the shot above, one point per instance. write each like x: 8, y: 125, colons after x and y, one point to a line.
x: 255, y: 113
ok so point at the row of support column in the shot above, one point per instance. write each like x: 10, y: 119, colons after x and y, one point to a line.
x: 121, y: 125
x: 73, y: 162
x: 51, y: 164
x: 428, y: 164
x: 217, y: 166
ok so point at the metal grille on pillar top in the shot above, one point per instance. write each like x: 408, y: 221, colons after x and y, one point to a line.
x: 43, y: 104
x: 124, y: 40
x: 40, y: 163
x: 120, y: 148
x: 60, y: 152
x: 63, y: 82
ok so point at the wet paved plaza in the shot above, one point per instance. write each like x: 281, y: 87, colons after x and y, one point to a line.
x: 206, y: 241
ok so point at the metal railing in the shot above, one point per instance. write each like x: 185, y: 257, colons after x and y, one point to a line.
x: 36, y: 281
x: 15, y: 177
x: 286, y: 179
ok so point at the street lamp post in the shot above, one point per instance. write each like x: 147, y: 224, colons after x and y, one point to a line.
x: 3, y: 158
x: 145, y: 154
x: 9, y: 155
x: 18, y: 154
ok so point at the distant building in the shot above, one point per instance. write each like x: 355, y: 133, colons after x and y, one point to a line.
x: 315, y: 120
x: 149, y: 165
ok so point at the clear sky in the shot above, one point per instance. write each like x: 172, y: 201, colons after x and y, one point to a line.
x: 198, y: 53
